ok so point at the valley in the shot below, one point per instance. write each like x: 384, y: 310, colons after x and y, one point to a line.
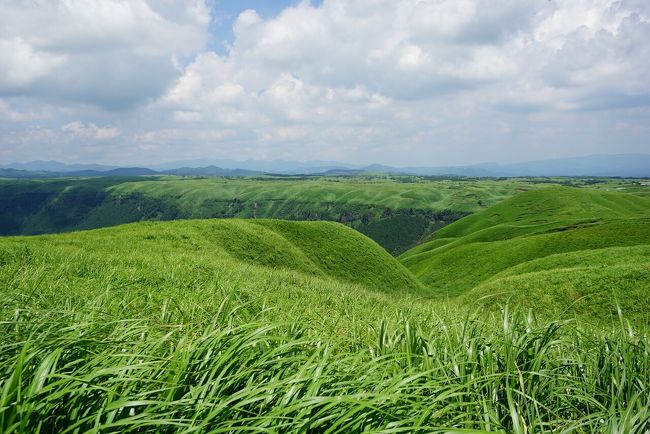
x: 396, y: 212
x: 572, y: 251
x: 288, y: 322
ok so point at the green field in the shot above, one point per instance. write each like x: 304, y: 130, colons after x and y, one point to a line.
x: 528, y: 316
x: 194, y: 195
x: 232, y: 325
x: 397, y: 212
x: 150, y: 261
x: 565, y: 251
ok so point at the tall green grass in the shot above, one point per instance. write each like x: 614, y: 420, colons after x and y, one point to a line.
x: 229, y: 326
x: 71, y: 371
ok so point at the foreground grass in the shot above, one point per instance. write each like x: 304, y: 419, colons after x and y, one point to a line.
x: 85, y: 371
x: 202, y: 327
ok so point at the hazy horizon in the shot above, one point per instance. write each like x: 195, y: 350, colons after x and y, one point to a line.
x: 209, y: 161
x: 411, y: 83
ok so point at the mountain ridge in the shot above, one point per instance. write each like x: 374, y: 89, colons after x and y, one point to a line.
x: 615, y: 165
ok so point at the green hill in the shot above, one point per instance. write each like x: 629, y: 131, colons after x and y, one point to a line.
x: 496, y: 252
x: 252, y: 249
x: 594, y: 283
x: 396, y: 212
x: 277, y: 326
x: 553, y: 207
x: 315, y: 248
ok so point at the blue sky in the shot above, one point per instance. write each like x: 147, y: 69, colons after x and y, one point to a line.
x: 225, y: 12
x: 414, y: 82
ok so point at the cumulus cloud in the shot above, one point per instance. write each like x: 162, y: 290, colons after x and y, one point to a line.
x: 370, y: 65
x: 8, y: 113
x: 111, y: 53
x: 420, y: 81
x: 22, y: 64
x: 425, y: 49
x: 90, y: 131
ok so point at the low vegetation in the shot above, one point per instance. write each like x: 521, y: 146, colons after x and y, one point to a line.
x: 395, y: 212
x: 564, y: 251
x: 185, y: 327
x: 528, y: 316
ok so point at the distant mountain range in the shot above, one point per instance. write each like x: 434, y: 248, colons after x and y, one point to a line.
x: 273, y: 166
x: 622, y: 165
x: 120, y: 171
x: 55, y: 166
x: 211, y: 171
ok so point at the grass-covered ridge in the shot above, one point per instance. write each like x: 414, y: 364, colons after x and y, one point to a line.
x: 493, y: 252
x: 273, y: 196
x: 322, y: 250
x: 275, y: 326
x: 595, y: 283
x: 396, y: 212
x: 540, y: 210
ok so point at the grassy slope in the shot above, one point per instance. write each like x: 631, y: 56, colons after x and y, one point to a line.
x: 487, y: 252
x: 319, y: 194
x: 593, y: 282
x: 395, y: 212
x: 320, y: 250
x: 199, y: 326
x: 37, y: 206
x: 552, y: 206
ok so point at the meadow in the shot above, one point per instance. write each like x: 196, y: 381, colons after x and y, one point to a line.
x: 397, y: 212
x: 563, y: 250
x: 263, y: 325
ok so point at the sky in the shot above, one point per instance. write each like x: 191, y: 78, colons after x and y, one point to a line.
x: 404, y: 83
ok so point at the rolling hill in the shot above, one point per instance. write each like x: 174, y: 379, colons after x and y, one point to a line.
x: 395, y: 212
x: 558, y: 250
x: 251, y: 251
x: 278, y: 326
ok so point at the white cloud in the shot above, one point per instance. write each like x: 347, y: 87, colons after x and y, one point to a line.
x: 112, y: 53
x: 417, y: 81
x: 90, y: 131
x: 7, y: 113
x: 418, y: 50
x: 187, y: 116
x: 21, y: 64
